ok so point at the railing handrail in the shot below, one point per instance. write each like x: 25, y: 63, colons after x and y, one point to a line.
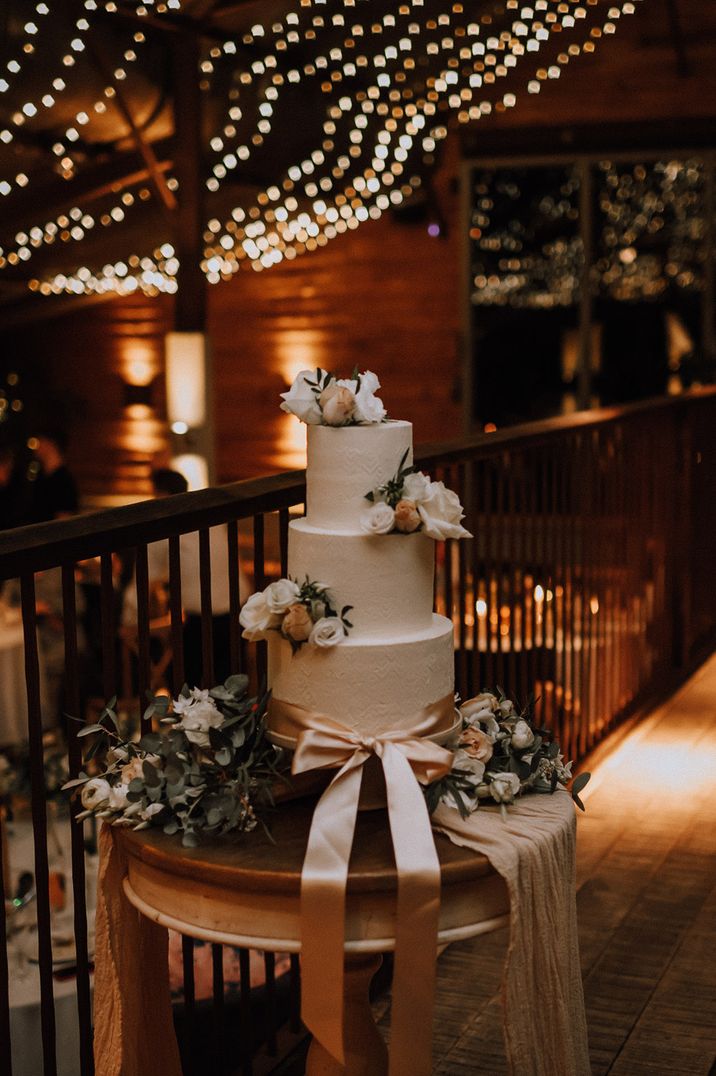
x: 45, y: 545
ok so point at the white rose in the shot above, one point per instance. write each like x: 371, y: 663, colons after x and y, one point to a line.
x: 184, y: 702
x: 256, y: 618
x: 378, y: 519
x: 280, y: 595
x: 118, y: 797
x: 478, y: 712
x: 441, y: 512
x: 504, y: 787
x: 198, y: 719
x: 337, y: 404
x: 522, y: 735
x: 416, y: 486
x: 95, y: 793
x: 328, y: 631
x: 368, y: 407
x: 507, y: 708
x: 301, y: 400
x: 474, y: 769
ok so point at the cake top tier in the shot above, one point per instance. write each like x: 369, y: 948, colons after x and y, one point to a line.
x: 347, y: 462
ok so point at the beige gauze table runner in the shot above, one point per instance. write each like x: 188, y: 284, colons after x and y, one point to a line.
x: 533, y: 848
x: 543, y: 1005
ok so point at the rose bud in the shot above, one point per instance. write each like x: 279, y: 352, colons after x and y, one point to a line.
x: 407, y: 519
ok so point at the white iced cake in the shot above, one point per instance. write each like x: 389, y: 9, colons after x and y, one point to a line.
x: 396, y: 664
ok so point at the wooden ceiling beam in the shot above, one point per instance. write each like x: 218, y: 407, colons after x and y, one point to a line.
x: 97, y: 181
x: 158, y: 179
x: 678, y: 43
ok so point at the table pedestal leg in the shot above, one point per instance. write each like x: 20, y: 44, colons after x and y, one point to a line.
x: 366, y: 1053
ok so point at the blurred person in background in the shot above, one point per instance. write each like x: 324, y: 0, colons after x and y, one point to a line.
x: 14, y: 490
x: 167, y: 483
x: 55, y: 493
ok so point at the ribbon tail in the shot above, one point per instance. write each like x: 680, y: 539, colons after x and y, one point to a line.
x: 323, y: 905
x: 417, y: 918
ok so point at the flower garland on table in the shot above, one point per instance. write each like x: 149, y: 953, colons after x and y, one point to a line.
x: 213, y: 769
x: 302, y: 613
x: 410, y: 502
x: 500, y: 754
x: 320, y: 399
x: 210, y: 771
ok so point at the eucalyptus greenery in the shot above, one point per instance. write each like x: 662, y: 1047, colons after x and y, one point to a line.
x: 392, y: 491
x: 501, y: 753
x: 210, y: 770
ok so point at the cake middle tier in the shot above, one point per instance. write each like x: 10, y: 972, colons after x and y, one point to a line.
x: 371, y: 685
x: 387, y: 578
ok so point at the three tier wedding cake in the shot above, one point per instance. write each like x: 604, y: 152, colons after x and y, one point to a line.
x: 365, y: 547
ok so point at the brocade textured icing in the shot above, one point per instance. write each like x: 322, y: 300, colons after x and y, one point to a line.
x: 398, y: 658
x: 344, y: 463
x: 387, y: 578
x: 370, y: 686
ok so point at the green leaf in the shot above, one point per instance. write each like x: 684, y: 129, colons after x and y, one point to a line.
x: 89, y: 729
x: 579, y: 783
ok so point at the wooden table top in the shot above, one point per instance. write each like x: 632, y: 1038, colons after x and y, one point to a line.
x: 254, y: 862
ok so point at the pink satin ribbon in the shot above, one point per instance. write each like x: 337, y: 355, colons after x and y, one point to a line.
x: 407, y: 760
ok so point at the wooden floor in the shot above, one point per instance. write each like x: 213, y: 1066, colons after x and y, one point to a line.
x: 647, y: 911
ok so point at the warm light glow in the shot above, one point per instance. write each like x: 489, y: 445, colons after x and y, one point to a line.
x: 138, y: 365
x: 186, y: 378
x: 539, y: 593
x: 194, y: 468
x: 481, y: 607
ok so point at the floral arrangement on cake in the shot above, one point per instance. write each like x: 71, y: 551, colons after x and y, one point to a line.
x: 411, y: 502
x: 320, y: 399
x: 302, y: 613
x: 213, y: 770
x: 501, y: 753
x: 208, y: 772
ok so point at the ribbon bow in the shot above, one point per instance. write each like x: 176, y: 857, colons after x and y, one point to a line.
x: 407, y: 760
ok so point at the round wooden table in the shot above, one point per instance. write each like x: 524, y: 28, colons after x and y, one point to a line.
x: 245, y: 891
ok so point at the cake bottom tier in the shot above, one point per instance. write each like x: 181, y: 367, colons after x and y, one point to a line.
x: 373, y: 686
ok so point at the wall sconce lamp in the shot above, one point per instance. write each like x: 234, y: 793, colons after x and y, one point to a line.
x: 187, y: 365
x: 186, y: 380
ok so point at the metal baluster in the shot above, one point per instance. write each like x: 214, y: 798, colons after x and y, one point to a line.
x: 217, y: 978
x: 175, y: 613
x: 283, y: 521
x: 232, y: 537
x: 464, y: 685
x: 187, y: 952
x: 259, y: 584
x: 500, y: 529
x: 74, y: 747
x: 5, y: 1042
x: 109, y: 627
x: 510, y: 561
x: 245, y: 1012
x: 207, y: 637
x: 143, y: 657
x: 270, y: 977
x: 294, y: 1020
x: 39, y: 824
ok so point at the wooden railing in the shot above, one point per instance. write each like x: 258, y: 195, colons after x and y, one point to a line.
x: 589, y: 584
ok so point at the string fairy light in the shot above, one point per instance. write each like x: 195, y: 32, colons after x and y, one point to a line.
x: 384, y: 87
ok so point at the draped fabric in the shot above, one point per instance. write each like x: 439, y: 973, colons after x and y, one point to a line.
x: 533, y: 848
x: 133, y: 1027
